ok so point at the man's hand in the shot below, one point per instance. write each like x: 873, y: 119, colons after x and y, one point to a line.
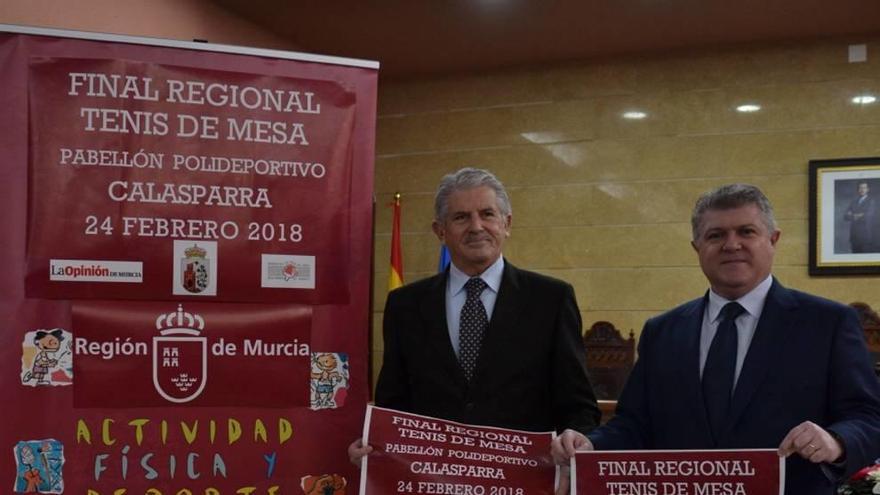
x: 564, y: 446
x: 357, y: 451
x: 812, y: 442
x: 564, y: 481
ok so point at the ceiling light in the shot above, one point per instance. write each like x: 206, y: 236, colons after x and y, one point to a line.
x: 864, y: 99
x: 634, y: 115
x: 748, y: 108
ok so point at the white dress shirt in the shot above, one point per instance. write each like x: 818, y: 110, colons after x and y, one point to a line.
x: 746, y: 323
x: 456, y: 295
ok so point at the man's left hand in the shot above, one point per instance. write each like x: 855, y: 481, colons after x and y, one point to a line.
x: 812, y: 442
x: 563, y: 447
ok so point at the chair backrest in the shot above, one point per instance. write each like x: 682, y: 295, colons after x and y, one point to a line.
x: 870, y: 321
x: 610, y: 359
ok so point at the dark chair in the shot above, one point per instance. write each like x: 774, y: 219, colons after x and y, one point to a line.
x: 610, y: 359
x: 871, y: 325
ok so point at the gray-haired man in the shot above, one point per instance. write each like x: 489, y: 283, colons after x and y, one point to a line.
x: 484, y: 342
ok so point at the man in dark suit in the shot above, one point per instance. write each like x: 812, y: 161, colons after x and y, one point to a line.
x: 749, y: 365
x: 861, y: 215
x: 484, y: 342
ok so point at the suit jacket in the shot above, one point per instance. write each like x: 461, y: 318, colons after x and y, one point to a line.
x: 862, y: 234
x: 807, y: 361
x: 530, y: 373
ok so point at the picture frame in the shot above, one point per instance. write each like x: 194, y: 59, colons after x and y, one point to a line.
x: 844, y: 216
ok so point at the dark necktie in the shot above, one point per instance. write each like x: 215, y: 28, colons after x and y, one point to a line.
x: 720, y: 368
x: 472, y: 327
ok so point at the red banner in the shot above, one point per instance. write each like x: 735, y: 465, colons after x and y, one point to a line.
x: 682, y: 472
x: 171, y: 241
x: 194, y: 354
x: 419, y: 454
x: 169, y: 181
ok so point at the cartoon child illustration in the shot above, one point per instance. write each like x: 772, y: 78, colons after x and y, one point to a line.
x: 326, y: 379
x: 31, y: 474
x: 47, y: 343
x: 39, y: 466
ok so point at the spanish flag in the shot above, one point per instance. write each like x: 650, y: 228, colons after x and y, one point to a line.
x: 395, y: 277
x: 444, y: 259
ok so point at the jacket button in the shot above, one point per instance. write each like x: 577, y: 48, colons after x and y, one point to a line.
x: 469, y: 407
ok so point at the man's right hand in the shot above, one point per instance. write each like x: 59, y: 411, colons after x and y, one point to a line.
x: 357, y: 451
x: 564, y: 446
x: 564, y: 487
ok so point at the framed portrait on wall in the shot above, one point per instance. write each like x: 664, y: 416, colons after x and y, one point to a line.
x: 845, y: 216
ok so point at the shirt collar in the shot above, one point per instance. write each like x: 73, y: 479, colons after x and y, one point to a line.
x: 491, y: 275
x: 753, y: 301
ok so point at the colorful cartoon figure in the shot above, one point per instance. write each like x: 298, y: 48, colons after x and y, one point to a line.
x: 47, y: 358
x: 326, y: 484
x: 47, y: 343
x: 31, y: 474
x: 325, y: 380
x: 39, y: 466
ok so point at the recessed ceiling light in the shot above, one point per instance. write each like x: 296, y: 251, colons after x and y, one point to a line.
x: 864, y: 99
x: 748, y: 108
x: 634, y: 115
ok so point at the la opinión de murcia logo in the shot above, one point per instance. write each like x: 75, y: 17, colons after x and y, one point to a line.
x: 180, y: 356
x: 95, y: 271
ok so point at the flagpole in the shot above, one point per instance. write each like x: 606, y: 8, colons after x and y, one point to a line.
x: 395, y: 275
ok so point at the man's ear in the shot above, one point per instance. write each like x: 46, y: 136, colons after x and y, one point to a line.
x: 694, y: 245
x: 508, y: 221
x: 774, y: 237
x: 438, y: 230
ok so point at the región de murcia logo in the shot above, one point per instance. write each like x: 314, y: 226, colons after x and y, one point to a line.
x: 180, y: 356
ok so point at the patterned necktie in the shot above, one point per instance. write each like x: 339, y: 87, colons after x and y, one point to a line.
x: 472, y: 326
x: 720, y: 368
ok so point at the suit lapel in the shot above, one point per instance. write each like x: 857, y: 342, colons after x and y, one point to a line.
x: 432, y: 309
x: 504, y: 317
x: 768, y: 342
x: 688, y: 338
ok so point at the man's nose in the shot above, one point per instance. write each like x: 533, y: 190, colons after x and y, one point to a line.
x: 732, y: 242
x: 475, y: 222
